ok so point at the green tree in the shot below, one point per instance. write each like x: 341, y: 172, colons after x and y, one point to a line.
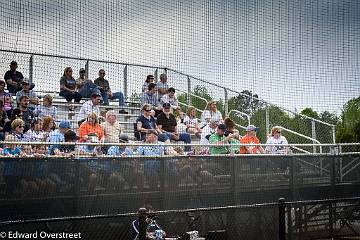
x: 246, y: 102
x: 349, y: 128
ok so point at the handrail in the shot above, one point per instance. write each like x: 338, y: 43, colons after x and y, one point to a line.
x: 166, y: 69
x: 300, y: 149
x: 188, y: 93
x: 239, y: 93
x: 301, y: 135
x: 241, y: 113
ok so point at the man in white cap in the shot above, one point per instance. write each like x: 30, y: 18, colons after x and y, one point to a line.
x: 250, y: 138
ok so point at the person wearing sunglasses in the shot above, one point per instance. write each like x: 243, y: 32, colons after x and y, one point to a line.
x: 18, y: 126
x: 279, y: 140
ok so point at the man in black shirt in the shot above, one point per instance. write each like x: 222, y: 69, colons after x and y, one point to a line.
x: 166, y: 121
x: 14, y: 79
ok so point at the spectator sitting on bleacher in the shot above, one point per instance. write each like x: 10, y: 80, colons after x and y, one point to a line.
x: 14, y: 79
x: 57, y: 136
x: 145, y: 123
x: 5, y: 97
x: 230, y: 129
x: 47, y: 109
x: 221, y: 140
x: 48, y: 127
x: 121, y: 150
x: 149, y: 79
x: 35, y: 133
x: 149, y: 97
x: 85, y: 86
x: 16, y: 113
x: 3, y: 119
x: 68, y: 150
x: 106, y: 92
x: 170, y: 98
x: 91, y: 150
x: 27, y: 114
x: 18, y: 130
x: 162, y: 86
x: 33, y: 99
x: 211, y: 113
x: 250, y: 138
x: 11, y: 149
x: 91, y: 126
x: 68, y: 87
x: 166, y: 122
x: 192, y: 123
x: 112, y: 128
x: 90, y: 106
x: 277, y: 138
x: 209, y: 129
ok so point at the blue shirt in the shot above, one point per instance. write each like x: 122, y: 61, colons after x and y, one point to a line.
x: 55, y: 137
x: 117, y: 151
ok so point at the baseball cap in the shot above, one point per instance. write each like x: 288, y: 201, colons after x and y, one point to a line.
x: 124, y: 138
x: 251, y: 128
x: 166, y: 105
x: 13, y: 63
x: 222, y: 127
x: 82, y: 70
x: 64, y: 124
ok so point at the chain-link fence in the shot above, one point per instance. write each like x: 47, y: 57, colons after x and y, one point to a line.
x: 48, y: 187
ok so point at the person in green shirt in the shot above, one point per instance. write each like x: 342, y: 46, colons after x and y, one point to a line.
x: 221, y: 140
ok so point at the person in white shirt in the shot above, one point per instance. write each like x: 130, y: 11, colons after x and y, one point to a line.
x: 91, y: 106
x: 112, y: 128
x: 211, y: 114
x: 277, y: 138
x: 209, y: 129
x: 170, y: 97
x: 35, y: 133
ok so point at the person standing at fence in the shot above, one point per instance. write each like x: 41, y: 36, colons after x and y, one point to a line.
x: 162, y: 86
x: 85, y: 86
x: 68, y: 87
x: 14, y: 79
x: 277, y: 138
x: 250, y: 138
x: 106, y: 92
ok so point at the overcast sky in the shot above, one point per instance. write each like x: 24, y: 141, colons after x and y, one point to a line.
x: 295, y: 53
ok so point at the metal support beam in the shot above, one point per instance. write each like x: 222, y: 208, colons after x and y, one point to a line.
x: 267, y: 119
x: 87, y: 69
x: 188, y: 91
x: 31, y: 69
x: 126, y: 82
x: 226, y: 103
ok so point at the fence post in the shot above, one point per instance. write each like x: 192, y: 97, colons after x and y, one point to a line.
x: 281, y: 219
x: 31, y: 69
x: 313, y: 134
x: 87, y: 69
x: 267, y: 119
x: 226, y: 103
x: 126, y: 82
x: 189, y: 91
x: 333, y: 134
x: 142, y: 224
x: 156, y: 75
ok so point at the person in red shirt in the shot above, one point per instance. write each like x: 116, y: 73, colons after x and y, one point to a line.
x: 250, y: 138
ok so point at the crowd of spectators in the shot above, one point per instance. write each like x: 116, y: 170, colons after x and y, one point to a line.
x: 29, y: 120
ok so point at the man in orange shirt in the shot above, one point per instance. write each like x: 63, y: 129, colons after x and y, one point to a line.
x: 250, y: 138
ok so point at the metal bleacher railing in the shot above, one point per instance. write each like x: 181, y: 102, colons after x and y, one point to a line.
x: 44, y: 69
